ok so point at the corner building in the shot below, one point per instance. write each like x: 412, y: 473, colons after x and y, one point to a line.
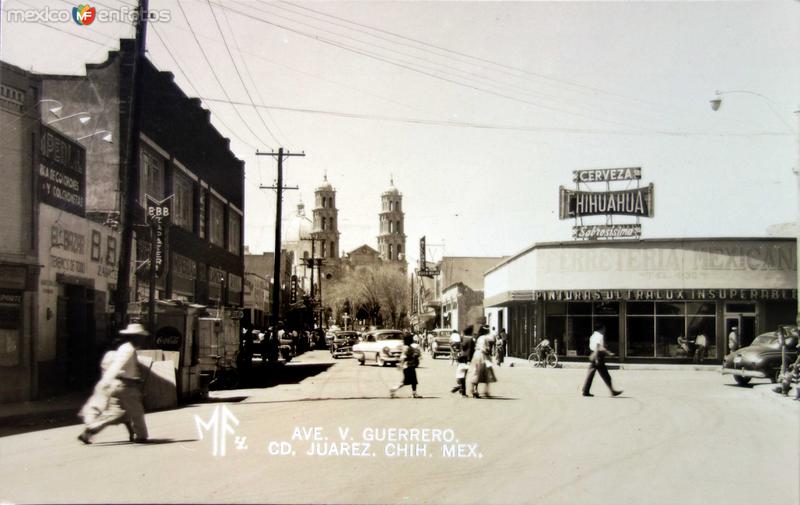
x: 647, y: 293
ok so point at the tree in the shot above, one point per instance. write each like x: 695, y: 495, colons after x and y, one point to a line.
x: 378, y: 291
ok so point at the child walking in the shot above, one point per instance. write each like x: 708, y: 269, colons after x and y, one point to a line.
x: 409, y: 361
x: 461, y: 376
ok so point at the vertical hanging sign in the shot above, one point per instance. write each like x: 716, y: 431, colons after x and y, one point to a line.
x: 158, y: 216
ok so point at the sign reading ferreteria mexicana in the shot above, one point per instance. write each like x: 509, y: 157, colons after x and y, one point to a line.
x: 62, y: 172
x: 577, y: 204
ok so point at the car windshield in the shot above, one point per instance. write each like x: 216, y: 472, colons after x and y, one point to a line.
x: 346, y: 334
x: 765, y: 339
x: 389, y: 336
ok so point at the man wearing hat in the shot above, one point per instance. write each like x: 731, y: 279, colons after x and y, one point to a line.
x: 122, y: 381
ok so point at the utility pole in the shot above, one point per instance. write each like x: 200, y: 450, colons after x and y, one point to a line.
x: 276, y: 272
x: 129, y: 184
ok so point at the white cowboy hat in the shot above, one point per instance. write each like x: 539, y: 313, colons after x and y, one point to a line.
x: 134, y: 329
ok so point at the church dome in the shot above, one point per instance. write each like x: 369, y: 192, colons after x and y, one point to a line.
x: 392, y: 190
x: 325, y: 186
x: 298, y: 227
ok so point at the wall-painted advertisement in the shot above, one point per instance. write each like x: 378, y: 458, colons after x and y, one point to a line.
x: 62, y: 172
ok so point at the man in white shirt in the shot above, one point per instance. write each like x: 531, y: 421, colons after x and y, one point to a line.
x: 597, y: 361
x: 122, y: 382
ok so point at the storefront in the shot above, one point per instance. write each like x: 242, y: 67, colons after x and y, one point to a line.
x: 654, y: 297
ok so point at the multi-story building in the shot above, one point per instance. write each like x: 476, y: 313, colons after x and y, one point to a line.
x: 62, y: 214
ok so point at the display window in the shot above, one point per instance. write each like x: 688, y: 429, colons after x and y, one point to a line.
x: 671, y: 330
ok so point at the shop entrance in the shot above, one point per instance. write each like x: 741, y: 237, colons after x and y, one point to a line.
x: 742, y: 316
x: 75, y: 351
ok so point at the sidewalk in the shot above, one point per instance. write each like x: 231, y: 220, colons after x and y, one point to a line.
x: 51, y: 412
x: 622, y: 366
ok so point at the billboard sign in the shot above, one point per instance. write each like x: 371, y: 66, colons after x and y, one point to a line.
x: 62, y: 172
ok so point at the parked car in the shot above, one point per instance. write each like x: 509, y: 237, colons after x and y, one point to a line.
x: 380, y: 347
x: 762, y: 358
x: 440, y: 345
x: 343, y: 342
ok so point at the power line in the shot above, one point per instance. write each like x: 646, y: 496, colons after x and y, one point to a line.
x: 250, y: 75
x: 238, y: 74
x: 214, y: 73
x: 489, y: 126
x: 406, y: 66
x: 196, y: 91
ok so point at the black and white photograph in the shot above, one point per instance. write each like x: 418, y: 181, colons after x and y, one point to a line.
x: 399, y: 252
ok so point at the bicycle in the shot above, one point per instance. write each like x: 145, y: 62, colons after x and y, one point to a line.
x: 535, y: 359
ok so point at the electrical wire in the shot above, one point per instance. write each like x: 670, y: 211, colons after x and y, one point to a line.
x: 407, y: 66
x: 239, y: 74
x: 488, y: 126
x: 216, y: 77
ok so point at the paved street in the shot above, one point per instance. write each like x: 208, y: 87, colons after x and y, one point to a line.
x: 683, y: 437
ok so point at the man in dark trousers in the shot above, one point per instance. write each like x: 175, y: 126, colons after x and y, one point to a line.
x: 597, y: 361
x: 468, y: 343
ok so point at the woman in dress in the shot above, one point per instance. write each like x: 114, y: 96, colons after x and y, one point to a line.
x: 481, y: 367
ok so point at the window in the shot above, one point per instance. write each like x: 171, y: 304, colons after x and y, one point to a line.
x: 391, y: 251
x: 332, y: 251
x: 324, y: 248
x: 111, y: 250
x: 217, y: 222
x: 669, y: 329
x: 96, y: 245
x: 324, y: 223
x: 152, y: 175
x: 399, y: 250
x: 234, y: 233
x: 569, y: 325
x: 183, y: 213
x: 201, y: 218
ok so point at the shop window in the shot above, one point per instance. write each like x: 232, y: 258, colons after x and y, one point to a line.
x: 740, y: 307
x: 668, y: 330
x: 580, y: 308
x: 640, y: 336
x: 641, y: 308
x: 672, y: 309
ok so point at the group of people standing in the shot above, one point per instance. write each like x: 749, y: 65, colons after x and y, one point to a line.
x: 475, y: 360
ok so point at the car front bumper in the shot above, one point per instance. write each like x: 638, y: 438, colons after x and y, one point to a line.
x: 743, y: 372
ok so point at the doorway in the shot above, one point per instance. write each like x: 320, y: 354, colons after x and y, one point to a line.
x: 743, y: 317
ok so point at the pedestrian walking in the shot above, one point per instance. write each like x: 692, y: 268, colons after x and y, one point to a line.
x: 467, y: 344
x: 121, y: 383
x: 481, y: 368
x: 499, y: 351
x: 597, y: 361
x: 409, y: 361
x: 461, y: 376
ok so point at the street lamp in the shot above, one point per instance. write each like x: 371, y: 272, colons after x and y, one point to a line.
x: 83, y: 117
x: 107, y: 137
x: 53, y: 110
x: 716, y: 103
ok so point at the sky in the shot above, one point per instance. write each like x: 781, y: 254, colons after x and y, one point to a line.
x: 479, y: 111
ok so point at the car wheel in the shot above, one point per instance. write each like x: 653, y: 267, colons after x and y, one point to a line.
x: 742, y: 381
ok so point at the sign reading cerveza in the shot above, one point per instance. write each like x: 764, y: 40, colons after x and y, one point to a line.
x: 158, y: 215
x: 62, y: 172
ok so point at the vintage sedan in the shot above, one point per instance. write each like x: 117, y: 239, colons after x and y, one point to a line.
x: 379, y: 347
x: 762, y: 358
x: 440, y: 344
x: 342, y: 343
